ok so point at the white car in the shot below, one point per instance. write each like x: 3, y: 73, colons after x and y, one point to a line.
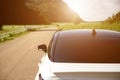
x: 81, y: 55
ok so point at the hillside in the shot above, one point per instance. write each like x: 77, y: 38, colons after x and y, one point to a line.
x: 17, y: 12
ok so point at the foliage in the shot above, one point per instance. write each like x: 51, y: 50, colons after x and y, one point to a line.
x: 0, y: 26
x: 11, y: 31
x: 33, y: 27
x: 76, y: 19
x: 9, y: 34
x: 114, y: 19
x: 91, y: 25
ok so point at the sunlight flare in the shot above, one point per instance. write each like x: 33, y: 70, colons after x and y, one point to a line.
x: 77, y: 6
x: 94, y: 10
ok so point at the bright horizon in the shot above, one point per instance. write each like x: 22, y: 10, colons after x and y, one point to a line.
x: 94, y: 10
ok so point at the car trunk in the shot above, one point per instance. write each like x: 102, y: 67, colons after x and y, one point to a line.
x: 86, y: 71
x: 88, y: 76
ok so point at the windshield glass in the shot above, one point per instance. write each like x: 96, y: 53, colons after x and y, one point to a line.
x: 88, y: 50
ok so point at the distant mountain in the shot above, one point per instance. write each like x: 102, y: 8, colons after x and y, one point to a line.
x: 22, y: 12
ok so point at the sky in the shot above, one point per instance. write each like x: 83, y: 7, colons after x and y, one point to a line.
x: 94, y: 10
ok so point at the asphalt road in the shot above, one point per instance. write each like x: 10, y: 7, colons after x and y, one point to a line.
x: 19, y: 57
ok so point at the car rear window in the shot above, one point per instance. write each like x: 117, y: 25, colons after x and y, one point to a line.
x: 93, y: 50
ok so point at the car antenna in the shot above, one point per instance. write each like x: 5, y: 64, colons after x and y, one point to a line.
x: 94, y: 33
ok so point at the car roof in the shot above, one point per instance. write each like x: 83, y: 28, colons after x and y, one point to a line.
x: 86, y: 46
x: 89, y: 33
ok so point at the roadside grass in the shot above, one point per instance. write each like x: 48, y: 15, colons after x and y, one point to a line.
x: 9, y: 32
x: 12, y: 27
x: 91, y: 25
x: 12, y: 37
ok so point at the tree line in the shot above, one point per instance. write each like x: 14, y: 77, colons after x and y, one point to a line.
x: 115, y: 18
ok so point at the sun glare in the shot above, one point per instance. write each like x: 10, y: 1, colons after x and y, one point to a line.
x: 94, y: 10
x: 73, y: 4
x: 77, y: 6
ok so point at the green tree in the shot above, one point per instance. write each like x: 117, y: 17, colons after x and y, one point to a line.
x: 0, y: 23
x: 76, y: 19
x: 115, y: 18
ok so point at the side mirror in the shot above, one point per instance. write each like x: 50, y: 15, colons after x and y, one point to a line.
x: 42, y: 47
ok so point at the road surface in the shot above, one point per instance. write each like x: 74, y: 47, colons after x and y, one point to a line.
x: 19, y: 57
